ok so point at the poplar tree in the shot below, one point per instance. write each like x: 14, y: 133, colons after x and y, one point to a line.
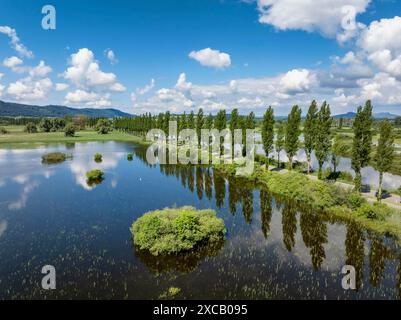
x: 184, y: 121
x: 310, y: 126
x: 362, y: 142
x: 292, y: 132
x: 191, y: 121
x: 234, y: 124
x: 384, y: 153
x: 200, y: 123
x: 268, y: 132
x: 323, y: 136
x: 220, y: 123
x: 280, y: 141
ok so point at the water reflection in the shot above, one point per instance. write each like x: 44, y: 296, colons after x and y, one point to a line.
x: 273, y: 249
x: 297, y: 224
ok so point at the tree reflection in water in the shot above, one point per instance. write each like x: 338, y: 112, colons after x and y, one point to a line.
x: 313, y: 226
x: 183, y: 262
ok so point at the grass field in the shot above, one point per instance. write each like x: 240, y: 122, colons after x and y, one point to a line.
x: 17, y: 138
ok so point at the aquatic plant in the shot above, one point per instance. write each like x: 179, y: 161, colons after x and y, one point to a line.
x: 174, y: 230
x: 98, y: 157
x: 94, y: 177
x: 54, y: 157
x: 130, y: 157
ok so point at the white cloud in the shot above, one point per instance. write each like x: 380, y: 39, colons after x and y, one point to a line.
x: 41, y: 70
x: 12, y: 62
x: 147, y: 88
x: 297, y: 80
x: 211, y: 58
x: 111, y: 56
x: 61, y: 86
x: 88, y: 98
x: 182, y: 83
x: 118, y: 87
x: 29, y: 89
x: 84, y: 71
x: 15, y: 41
x: 323, y: 16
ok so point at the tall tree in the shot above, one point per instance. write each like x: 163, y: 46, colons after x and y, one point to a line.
x: 323, y: 136
x: 292, y: 132
x: 337, y: 149
x: 247, y: 123
x: 220, y: 123
x: 234, y: 124
x: 385, y: 153
x: 191, y: 120
x: 362, y: 142
x: 200, y: 123
x: 268, y: 132
x: 280, y: 141
x: 184, y: 121
x: 310, y: 127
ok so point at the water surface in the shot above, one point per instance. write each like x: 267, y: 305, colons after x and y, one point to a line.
x: 49, y: 215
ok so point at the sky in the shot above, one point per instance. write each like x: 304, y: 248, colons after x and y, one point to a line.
x: 154, y: 56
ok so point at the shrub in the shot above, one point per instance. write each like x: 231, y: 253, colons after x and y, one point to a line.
x: 130, y: 157
x: 98, y: 157
x: 69, y: 130
x: 54, y: 157
x: 3, y: 130
x: 46, y: 125
x: 346, y: 176
x: 375, y: 212
x: 31, y: 128
x: 103, y: 126
x: 94, y: 177
x: 170, y: 231
x: 355, y: 201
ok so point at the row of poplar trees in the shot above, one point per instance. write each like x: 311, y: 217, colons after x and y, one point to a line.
x: 318, y: 138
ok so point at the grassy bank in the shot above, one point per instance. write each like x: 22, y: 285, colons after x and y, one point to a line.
x: 326, y: 198
x: 17, y: 138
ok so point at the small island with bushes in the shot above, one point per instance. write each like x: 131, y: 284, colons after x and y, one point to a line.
x: 94, y: 177
x: 175, y: 230
x: 54, y: 157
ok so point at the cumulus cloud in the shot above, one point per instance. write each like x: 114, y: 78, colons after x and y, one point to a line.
x: 297, y: 80
x: 61, y: 86
x: 211, y: 58
x: 15, y: 41
x: 29, y: 89
x: 85, y: 72
x: 147, y: 88
x: 324, y: 16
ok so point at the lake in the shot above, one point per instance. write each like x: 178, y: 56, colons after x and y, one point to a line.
x: 273, y: 249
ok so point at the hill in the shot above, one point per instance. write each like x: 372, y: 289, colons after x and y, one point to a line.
x: 380, y: 115
x: 9, y: 109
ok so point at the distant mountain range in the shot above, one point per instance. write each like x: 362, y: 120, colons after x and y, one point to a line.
x: 379, y: 115
x: 9, y: 109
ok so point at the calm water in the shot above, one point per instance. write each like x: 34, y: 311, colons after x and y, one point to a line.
x: 49, y: 215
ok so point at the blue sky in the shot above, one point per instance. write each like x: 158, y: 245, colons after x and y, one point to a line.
x: 183, y: 55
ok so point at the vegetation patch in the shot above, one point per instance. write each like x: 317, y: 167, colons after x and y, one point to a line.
x: 54, y: 157
x: 94, y: 177
x: 98, y: 157
x: 175, y: 230
x: 3, y: 130
x: 130, y: 157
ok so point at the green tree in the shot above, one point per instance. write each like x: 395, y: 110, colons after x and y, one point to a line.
x: 268, y: 132
x: 103, y: 126
x: 69, y: 130
x: 234, y: 124
x: 30, y: 127
x: 184, y: 121
x: 200, y: 123
x: 384, y: 153
x: 292, y: 132
x: 337, y: 149
x: 362, y: 142
x: 280, y: 141
x: 310, y: 128
x: 220, y: 123
x: 191, y: 120
x: 323, y: 136
x: 46, y: 125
